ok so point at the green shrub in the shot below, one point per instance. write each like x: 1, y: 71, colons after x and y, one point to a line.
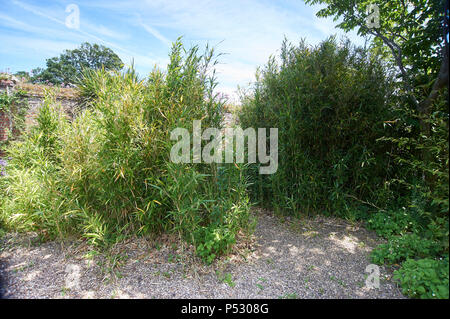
x: 404, y: 247
x: 31, y: 198
x: 15, y: 106
x: 107, y: 174
x: 328, y: 103
x: 228, y: 216
x: 213, y: 241
x: 424, y: 278
x: 387, y: 224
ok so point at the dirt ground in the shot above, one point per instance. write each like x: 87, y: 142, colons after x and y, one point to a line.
x: 287, y: 258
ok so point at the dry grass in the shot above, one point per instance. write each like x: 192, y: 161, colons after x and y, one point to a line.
x: 39, y: 90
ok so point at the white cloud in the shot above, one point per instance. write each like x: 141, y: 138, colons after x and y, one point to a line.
x: 249, y: 31
x: 236, y: 72
x: 22, y: 45
x: 101, y: 30
x: 153, y: 31
x: 126, y: 55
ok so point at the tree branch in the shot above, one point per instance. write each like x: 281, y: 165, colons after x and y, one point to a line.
x: 397, y: 53
x: 440, y: 82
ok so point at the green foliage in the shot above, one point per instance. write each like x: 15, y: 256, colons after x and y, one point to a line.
x: 31, y: 198
x: 5, y: 101
x: 226, y: 278
x: 15, y: 106
x: 323, y: 100
x: 107, y: 174
x: 409, y: 27
x: 387, y: 224
x: 228, y: 216
x: 9, y: 101
x: 401, y: 248
x: 213, y: 241
x: 421, y: 161
x: 94, y: 81
x: 424, y: 278
x: 68, y: 67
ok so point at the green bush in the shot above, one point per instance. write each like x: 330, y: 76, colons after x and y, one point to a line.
x: 328, y: 103
x: 387, y: 224
x: 31, y: 197
x: 405, y: 247
x: 227, y: 218
x: 107, y: 174
x: 213, y: 241
x: 424, y: 278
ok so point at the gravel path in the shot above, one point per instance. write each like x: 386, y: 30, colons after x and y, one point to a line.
x: 289, y: 258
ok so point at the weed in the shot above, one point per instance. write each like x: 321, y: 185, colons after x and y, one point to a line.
x: 292, y: 295
x: 226, y: 278
x: 424, y: 278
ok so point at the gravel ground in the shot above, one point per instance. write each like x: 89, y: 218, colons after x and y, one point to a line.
x: 287, y: 258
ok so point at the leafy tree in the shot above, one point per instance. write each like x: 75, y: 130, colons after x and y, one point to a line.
x: 415, y: 34
x: 69, y: 65
x: 35, y: 74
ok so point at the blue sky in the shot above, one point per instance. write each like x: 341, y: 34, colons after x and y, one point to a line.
x: 247, y: 31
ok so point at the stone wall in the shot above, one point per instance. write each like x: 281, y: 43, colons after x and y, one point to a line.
x: 4, y: 125
x: 35, y: 100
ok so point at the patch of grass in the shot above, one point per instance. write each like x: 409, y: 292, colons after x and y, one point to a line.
x: 64, y: 291
x: 109, y: 264
x: 226, y: 278
x: 264, y: 280
x: 292, y: 295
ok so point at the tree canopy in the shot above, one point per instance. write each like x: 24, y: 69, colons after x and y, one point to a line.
x: 70, y: 64
x: 413, y: 32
